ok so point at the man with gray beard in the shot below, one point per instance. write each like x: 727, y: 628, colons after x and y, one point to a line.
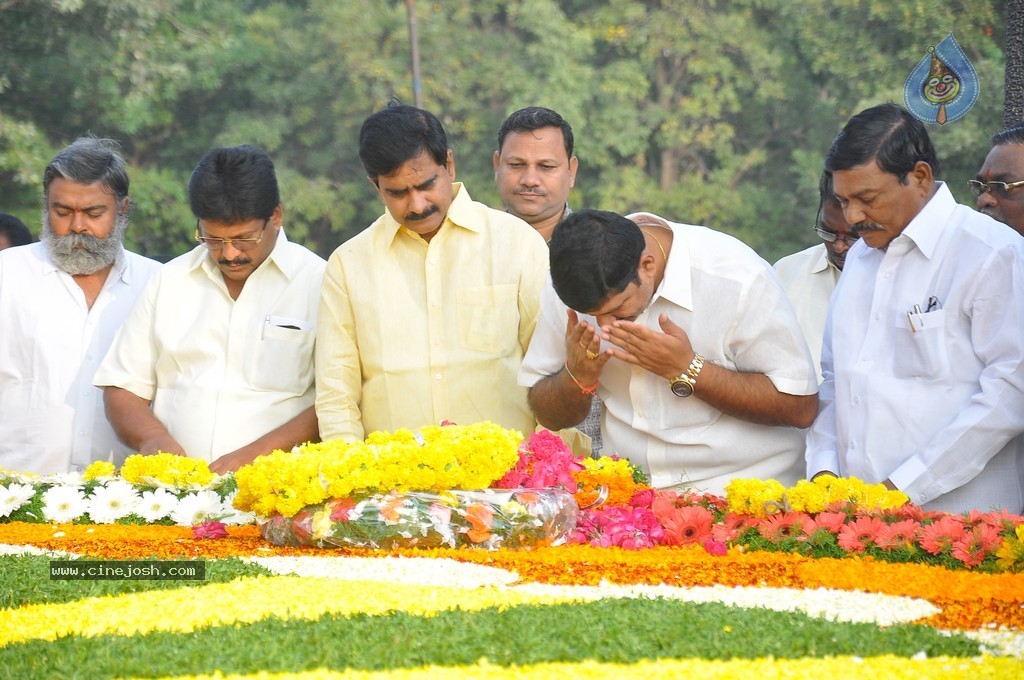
x: 61, y: 303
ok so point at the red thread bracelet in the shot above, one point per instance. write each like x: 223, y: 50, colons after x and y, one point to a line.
x: 591, y: 390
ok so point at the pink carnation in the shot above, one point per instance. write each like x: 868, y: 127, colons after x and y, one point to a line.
x: 210, y: 530
x: 716, y: 548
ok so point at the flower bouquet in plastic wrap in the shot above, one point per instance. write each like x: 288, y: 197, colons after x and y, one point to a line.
x: 404, y: 489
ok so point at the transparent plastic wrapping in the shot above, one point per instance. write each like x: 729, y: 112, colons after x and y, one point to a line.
x: 488, y: 519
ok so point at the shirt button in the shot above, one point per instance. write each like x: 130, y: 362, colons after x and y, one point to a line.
x: 437, y: 376
x: 856, y: 400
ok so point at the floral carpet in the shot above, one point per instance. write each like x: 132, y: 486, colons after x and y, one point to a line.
x: 580, y: 610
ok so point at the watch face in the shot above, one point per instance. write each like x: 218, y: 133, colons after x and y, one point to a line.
x: 681, y: 388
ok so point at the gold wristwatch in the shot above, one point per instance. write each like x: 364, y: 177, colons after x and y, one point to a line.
x: 684, y: 384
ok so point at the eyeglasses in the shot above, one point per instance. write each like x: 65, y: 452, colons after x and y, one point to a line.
x: 1000, y: 189
x: 832, y: 237
x: 238, y: 243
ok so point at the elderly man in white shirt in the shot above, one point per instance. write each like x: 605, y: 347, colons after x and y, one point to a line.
x: 216, y: 359
x: 61, y: 302
x: 924, y: 384
x: 689, y: 340
x: 810, y: 276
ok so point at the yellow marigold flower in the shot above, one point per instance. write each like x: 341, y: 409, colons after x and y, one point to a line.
x: 99, y: 468
x: 166, y: 469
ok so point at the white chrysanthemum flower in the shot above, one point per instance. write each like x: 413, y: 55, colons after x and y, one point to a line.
x: 63, y: 503
x: 13, y: 496
x: 196, y: 508
x: 156, y: 505
x: 112, y: 501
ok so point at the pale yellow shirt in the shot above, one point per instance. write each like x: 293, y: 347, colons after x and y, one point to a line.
x: 413, y: 333
x: 221, y: 373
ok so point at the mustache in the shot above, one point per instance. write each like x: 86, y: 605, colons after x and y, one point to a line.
x: 240, y: 260
x: 529, y: 192
x: 412, y: 217
x: 861, y: 227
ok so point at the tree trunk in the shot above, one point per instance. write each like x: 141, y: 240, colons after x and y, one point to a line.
x: 1013, y: 104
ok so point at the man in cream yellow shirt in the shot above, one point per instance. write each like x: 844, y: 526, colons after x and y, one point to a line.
x: 425, y: 316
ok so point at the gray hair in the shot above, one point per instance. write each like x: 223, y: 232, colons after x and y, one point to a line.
x: 89, y: 160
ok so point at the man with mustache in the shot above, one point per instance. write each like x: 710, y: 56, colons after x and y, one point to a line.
x: 999, y: 186
x: 535, y: 168
x: 427, y: 313
x: 810, y: 276
x: 61, y: 302
x: 923, y: 378
x: 216, y: 359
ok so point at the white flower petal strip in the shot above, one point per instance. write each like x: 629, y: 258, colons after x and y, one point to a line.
x: 7, y: 549
x: 831, y: 605
x: 823, y: 603
x: 418, y: 571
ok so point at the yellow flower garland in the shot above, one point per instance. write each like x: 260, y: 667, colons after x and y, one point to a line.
x: 166, y: 469
x: 761, y: 497
x: 449, y: 457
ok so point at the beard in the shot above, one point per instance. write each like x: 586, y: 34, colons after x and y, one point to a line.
x: 79, y: 254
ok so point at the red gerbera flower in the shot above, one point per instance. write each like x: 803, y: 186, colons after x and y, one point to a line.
x: 858, y: 534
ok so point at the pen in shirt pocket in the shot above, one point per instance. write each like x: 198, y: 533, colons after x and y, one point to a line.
x: 284, y: 322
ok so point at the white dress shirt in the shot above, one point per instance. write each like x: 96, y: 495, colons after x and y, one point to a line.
x: 51, y: 417
x: 933, y: 400
x: 735, y: 313
x: 809, y: 279
x: 220, y: 372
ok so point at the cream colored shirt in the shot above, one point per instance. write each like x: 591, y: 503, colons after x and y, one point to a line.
x: 51, y: 342
x: 413, y: 333
x: 220, y: 372
x: 809, y: 279
x: 735, y: 313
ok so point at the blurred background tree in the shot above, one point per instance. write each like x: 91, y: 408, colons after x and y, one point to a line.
x: 708, y: 112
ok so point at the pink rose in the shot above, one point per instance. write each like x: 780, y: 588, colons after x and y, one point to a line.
x: 210, y: 530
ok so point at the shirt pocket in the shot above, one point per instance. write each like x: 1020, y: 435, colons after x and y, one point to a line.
x: 282, y: 360
x: 920, y: 350
x: 488, y: 318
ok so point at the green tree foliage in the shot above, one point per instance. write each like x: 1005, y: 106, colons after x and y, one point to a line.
x: 707, y: 111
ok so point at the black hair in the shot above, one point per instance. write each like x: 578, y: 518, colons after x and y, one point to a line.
x: 887, y: 134
x: 534, y: 118
x: 398, y: 133
x: 88, y: 160
x: 15, y: 230
x: 594, y: 255
x: 827, y: 192
x: 1011, y: 135
x: 234, y: 185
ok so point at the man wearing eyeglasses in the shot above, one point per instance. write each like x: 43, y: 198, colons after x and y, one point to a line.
x: 216, y: 359
x: 923, y: 356
x: 999, y: 186
x: 810, y: 276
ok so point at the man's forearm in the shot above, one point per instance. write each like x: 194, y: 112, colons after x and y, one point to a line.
x: 299, y: 430
x: 558, y: 402
x: 753, y: 397
x: 135, y: 424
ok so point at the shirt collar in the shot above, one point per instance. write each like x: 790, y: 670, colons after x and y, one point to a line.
x: 460, y: 214
x: 676, y: 285
x: 926, y: 228
x: 821, y: 262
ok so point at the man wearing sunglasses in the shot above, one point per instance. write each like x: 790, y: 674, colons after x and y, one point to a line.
x: 216, y: 359
x: 999, y: 186
x: 923, y: 355
x: 810, y: 276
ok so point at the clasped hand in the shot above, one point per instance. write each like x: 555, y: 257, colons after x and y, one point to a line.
x: 666, y: 354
